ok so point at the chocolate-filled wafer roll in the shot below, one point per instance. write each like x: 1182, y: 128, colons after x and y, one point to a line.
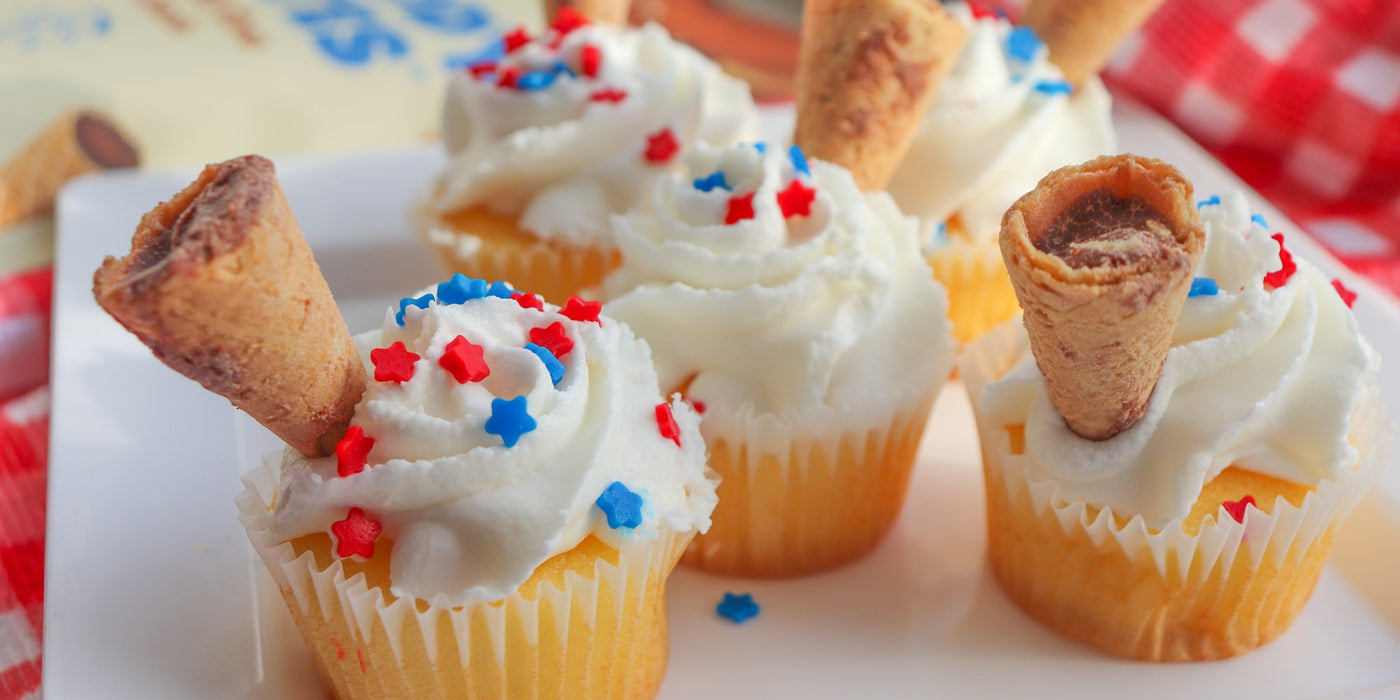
x: 1082, y: 34
x: 221, y: 285
x: 76, y: 143
x: 1102, y: 256
x: 867, y: 73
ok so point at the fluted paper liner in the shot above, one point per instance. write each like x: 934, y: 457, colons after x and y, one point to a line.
x: 1082, y: 34
x: 73, y: 144
x: 597, y: 634
x: 867, y: 73
x: 799, y: 496
x: 221, y: 285
x: 980, y: 295
x: 1108, y: 580
x: 612, y: 12
x: 489, y: 246
x: 1101, y: 333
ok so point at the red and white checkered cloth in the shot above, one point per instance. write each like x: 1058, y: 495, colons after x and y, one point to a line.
x: 1299, y: 97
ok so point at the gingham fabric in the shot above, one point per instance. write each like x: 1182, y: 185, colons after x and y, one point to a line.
x: 1299, y: 97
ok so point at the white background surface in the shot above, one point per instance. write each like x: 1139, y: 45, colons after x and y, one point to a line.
x: 154, y: 593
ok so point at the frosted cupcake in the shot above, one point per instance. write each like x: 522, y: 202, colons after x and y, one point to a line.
x: 490, y: 502
x: 569, y: 127
x: 794, y: 309
x: 1004, y: 118
x: 1177, y: 433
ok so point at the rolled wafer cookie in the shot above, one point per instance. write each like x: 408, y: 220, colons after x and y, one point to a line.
x: 75, y: 143
x: 867, y: 73
x: 1082, y: 34
x: 612, y: 12
x: 221, y: 285
x: 1102, y: 256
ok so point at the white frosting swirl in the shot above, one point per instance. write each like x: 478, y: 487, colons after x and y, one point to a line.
x: 834, y: 308
x: 991, y: 134
x: 564, y: 162
x: 1267, y: 379
x: 471, y: 519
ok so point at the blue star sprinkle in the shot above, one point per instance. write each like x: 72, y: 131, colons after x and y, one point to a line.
x: 551, y: 363
x: 737, y: 607
x: 1214, y: 199
x: 761, y: 147
x: 711, y: 181
x: 799, y: 160
x: 1203, y: 287
x: 1022, y: 44
x: 1259, y: 219
x: 623, y: 508
x: 562, y: 68
x: 421, y: 302
x: 499, y: 289
x: 460, y: 289
x: 509, y: 419
x: 1054, y: 87
x: 940, y: 235
x: 535, y: 80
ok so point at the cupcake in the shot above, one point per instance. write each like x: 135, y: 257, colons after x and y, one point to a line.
x: 495, y: 509
x: 1177, y: 430
x: 1005, y: 117
x: 793, y: 310
x: 568, y: 127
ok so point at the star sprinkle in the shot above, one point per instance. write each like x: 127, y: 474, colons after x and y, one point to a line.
x: 796, y: 199
x: 590, y: 60
x: 508, y: 77
x: 666, y: 423
x: 551, y: 363
x: 979, y: 12
x: 515, y: 39
x: 464, y: 360
x: 1053, y: 87
x: 737, y: 607
x: 567, y: 20
x: 738, y: 209
x: 500, y: 290
x: 1280, y: 277
x: 560, y: 67
x: 697, y: 404
x: 711, y: 181
x: 799, y: 160
x: 1203, y: 287
x: 1214, y: 200
x: 509, y: 419
x: 1022, y: 44
x: 1259, y: 219
x: 612, y: 95
x: 394, y: 363
x: 623, y: 508
x: 421, y: 302
x: 535, y: 80
x: 1236, y: 508
x: 479, y: 69
x: 460, y: 289
x: 661, y: 146
x: 579, y: 309
x: 528, y: 301
x: 1348, y: 296
x: 355, y: 535
x: 760, y: 146
x: 552, y: 338
x: 352, y: 452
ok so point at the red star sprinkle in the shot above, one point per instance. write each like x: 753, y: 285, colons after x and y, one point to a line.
x: 1348, y: 296
x: 1283, y: 274
x: 666, y: 423
x: 580, y: 309
x: 568, y: 19
x: 553, y: 339
x: 509, y: 77
x: 356, y: 535
x: 612, y: 95
x: 740, y: 208
x: 481, y: 69
x: 697, y: 404
x: 515, y: 39
x: 1236, y: 508
x: 528, y: 301
x: 352, y: 452
x: 464, y: 360
x: 394, y: 363
x: 661, y: 146
x: 979, y: 12
x: 590, y: 59
x: 796, y: 199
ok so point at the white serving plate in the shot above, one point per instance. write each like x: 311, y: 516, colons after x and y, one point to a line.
x: 153, y: 592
